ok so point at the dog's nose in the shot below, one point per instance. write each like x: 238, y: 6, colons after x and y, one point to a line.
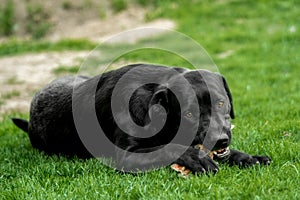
x: 222, y: 143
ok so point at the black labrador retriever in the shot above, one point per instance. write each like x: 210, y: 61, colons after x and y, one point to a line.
x: 196, y: 103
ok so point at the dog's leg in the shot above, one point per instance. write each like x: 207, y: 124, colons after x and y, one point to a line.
x: 244, y: 160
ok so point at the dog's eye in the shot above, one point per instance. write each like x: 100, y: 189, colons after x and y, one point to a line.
x: 189, y: 115
x: 221, y: 104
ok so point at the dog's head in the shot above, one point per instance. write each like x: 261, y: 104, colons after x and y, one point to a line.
x: 206, y: 108
x: 216, y: 109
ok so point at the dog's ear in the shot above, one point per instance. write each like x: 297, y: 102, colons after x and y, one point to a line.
x: 229, y: 96
x: 142, y: 100
x: 160, y: 97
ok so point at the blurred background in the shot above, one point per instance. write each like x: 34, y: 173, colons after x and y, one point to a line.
x: 56, y: 20
x: 254, y: 44
x: 46, y: 39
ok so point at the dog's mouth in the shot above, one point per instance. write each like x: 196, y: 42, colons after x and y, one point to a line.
x: 220, y: 153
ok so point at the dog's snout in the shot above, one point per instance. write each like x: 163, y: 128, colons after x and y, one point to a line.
x: 222, y: 143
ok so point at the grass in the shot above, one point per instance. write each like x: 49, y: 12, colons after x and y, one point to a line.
x: 10, y: 95
x: 118, y: 5
x: 15, y: 46
x: 13, y: 81
x: 7, y: 18
x: 37, y: 21
x: 67, y: 5
x: 263, y: 74
x: 62, y: 70
x: 28, y: 174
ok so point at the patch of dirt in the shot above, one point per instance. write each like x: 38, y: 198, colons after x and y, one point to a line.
x: 99, y: 30
x: 21, y: 76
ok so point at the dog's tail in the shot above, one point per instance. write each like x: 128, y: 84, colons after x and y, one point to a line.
x: 21, y: 123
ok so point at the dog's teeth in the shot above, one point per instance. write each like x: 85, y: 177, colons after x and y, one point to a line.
x: 221, y: 150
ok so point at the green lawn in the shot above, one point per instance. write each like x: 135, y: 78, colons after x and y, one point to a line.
x: 262, y: 69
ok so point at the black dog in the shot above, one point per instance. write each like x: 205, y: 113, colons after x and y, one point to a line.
x: 202, y: 105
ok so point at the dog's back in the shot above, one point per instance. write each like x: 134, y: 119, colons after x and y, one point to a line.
x: 51, y: 126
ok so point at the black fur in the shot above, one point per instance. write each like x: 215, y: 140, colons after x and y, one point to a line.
x: 52, y: 129
x: 21, y: 123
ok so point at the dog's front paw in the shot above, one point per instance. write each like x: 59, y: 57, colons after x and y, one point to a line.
x: 245, y: 160
x: 263, y: 160
x: 208, y: 165
x: 197, y: 161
